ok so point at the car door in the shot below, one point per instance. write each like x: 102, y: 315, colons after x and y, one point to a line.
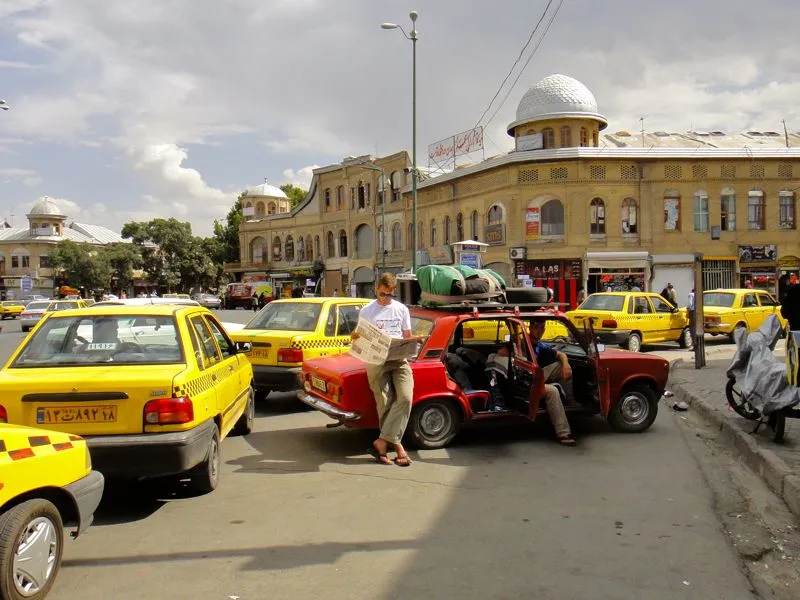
x: 751, y: 311
x: 645, y: 319
x: 527, y: 378
x: 671, y: 321
x: 342, y: 320
x: 769, y: 306
x: 209, y: 359
x: 233, y: 376
x: 603, y: 377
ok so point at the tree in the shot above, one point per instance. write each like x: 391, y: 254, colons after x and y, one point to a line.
x: 123, y: 258
x: 166, y: 246
x: 227, y: 233
x: 294, y: 193
x: 80, y: 265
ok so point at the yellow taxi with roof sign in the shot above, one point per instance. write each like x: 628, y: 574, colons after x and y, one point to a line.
x: 725, y: 310
x: 46, y: 482
x: 153, y: 389
x: 11, y: 309
x: 286, y: 332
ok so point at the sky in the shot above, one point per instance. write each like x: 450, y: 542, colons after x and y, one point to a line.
x: 131, y: 110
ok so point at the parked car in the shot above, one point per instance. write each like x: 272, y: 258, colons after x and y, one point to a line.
x: 46, y: 482
x: 726, y: 309
x: 33, y: 298
x: 286, y: 332
x: 35, y: 310
x: 178, y: 296
x: 622, y: 387
x: 207, y: 300
x: 630, y: 319
x: 11, y: 309
x: 153, y: 388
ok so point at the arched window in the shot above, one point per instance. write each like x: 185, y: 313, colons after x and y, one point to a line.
x: 260, y: 209
x: 364, y: 242
x: 755, y: 209
x: 459, y: 227
x: 342, y: 242
x: 271, y: 208
x: 447, y: 238
x: 257, y: 250
x: 433, y: 233
x: 410, y: 237
x: 397, y: 232
x: 317, y: 251
x: 548, y: 138
x: 301, y: 249
x: 331, y: 246
x: 728, y: 209
x: 566, y: 137
x: 787, y: 209
x: 672, y: 210
x: 420, y: 235
x: 362, y: 195
x: 276, y: 248
x: 597, y: 217
x: 495, y: 215
x: 700, y: 211
x: 584, y: 137
x: 629, y: 216
x: 553, y: 218
x: 309, y: 249
x: 327, y: 199
x: 289, y: 252
x: 396, y: 183
x: 340, y: 197
x: 474, y: 225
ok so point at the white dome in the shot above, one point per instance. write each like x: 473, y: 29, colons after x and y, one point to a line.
x: 265, y: 189
x: 46, y: 207
x: 555, y: 97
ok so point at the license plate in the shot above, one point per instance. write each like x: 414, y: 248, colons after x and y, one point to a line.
x: 258, y: 353
x: 64, y: 415
x: 319, y: 383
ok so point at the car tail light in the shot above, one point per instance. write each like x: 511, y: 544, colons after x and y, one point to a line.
x: 713, y: 319
x: 290, y: 355
x: 24, y: 315
x: 609, y: 324
x: 169, y: 411
x: 3, y: 414
x: 469, y: 333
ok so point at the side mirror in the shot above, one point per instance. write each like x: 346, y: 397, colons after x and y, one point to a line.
x: 601, y: 347
x: 507, y: 338
x: 674, y: 309
x: 243, y: 347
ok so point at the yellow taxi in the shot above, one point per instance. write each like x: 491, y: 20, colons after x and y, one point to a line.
x: 630, y: 319
x: 153, y: 389
x: 46, y: 482
x: 726, y: 309
x: 178, y: 296
x: 286, y: 332
x: 11, y: 309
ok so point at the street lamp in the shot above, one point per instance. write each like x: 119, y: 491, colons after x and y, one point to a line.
x: 412, y: 35
x: 374, y: 167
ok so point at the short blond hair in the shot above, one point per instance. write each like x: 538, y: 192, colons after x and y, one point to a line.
x: 387, y: 280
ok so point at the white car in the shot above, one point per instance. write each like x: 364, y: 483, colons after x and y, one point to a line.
x: 32, y: 313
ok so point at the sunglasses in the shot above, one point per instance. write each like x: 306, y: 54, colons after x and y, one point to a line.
x: 385, y: 294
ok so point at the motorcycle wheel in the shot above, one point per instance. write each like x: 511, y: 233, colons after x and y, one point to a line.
x: 738, y: 403
x: 777, y: 421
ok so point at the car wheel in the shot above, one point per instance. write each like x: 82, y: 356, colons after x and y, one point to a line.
x: 245, y: 423
x: 31, y: 543
x: 635, y: 410
x: 732, y: 334
x: 206, y: 475
x: 25, y: 329
x: 634, y: 343
x: 434, y: 424
x: 686, y: 340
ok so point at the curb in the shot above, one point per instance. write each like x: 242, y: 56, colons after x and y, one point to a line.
x: 764, y: 462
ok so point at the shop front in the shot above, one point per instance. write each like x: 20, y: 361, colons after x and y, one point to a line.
x: 562, y: 275
x: 788, y: 274
x: 333, y: 282
x: 677, y: 269
x: 299, y: 279
x: 758, y: 267
x: 617, y: 272
x: 719, y: 272
x: 364, y: 282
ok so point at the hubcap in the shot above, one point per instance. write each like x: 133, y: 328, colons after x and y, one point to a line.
x: 251, y: 408
x: 435, y: 422
x: 35, y: 558
x: 687, y: 338
x: 634, y: 344
x: 214, y: 459
x: 634, y: 408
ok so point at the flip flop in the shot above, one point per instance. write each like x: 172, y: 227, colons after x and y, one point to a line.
x: 402, y: 461
x: 567, y: 441
x: 381, y: 459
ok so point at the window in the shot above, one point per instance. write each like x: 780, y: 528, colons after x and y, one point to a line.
x: 474, y: 224
x: 755, y: 209
x: 301, y: 249
x: 348, y: 319
x: 257, y: 250
x: 210, y: 354
x: 787, y: 211
x: 15, y: 262
x: 672, y: 211
x: 342, y: 242
x: 364, y: 241
x: 316, y: 246
x: 327, y: 199
x: 276, y: 248
x: 553, y: 218
x: 396, y: 185
x: 766, y: 300
x: 728, y: 210
x: 495, y: 215
x: 362, y: 196
x: 410, y: 237
x: 548, y: 138
x: 420, y: 235
x: 271, y: 208
x: 289, y: 251
x: 660, y: 305
x: 597, y: 217
x: 309, y: 248
x: 331, y: 246
x: 433, y: 233
x: 594, y: 139
x: 629, y: 217
x: 701, y: 211
x: 566, y: 137
x: 26, y: 262
x: 44, y: 262
x: 641, y: 306
x: 291, y: 316
x: 352, y: 198
x: 459, y: 227
x: 397, y: 233
x: 224, y: 342
x: 749, y: 301
x: 260, y: 209
x: 584, y: 137
x: 447, y: 238
x: 340, y: 197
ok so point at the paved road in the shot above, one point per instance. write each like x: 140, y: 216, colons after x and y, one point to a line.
x: 505, y: 513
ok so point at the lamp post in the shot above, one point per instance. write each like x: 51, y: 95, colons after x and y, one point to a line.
x: 412, y: 35
x: 375, y: 167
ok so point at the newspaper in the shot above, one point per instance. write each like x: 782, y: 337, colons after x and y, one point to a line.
x: 375, y: 347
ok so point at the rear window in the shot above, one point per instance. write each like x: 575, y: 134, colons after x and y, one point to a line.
x: 38, y: 305
x: 421, y: 326
x: 719, y: 299
x: 62, y: 305
x: 287, y: 316
x: 102, y: 339
x: 603, y: 302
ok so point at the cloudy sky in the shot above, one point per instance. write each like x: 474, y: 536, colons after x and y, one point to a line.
x: 127, y: 110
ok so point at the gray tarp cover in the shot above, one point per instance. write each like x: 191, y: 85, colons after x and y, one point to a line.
x: 761, y: 376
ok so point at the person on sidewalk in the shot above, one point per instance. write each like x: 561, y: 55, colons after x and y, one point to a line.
x: 391, y: 317
x: 669, y: 294
x: 790, y: 309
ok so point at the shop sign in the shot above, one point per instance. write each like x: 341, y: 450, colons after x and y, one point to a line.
x: 766, y: 253
x: 300, y: 272
x: 470, y: 259
x: 533, y: 220
x: 495, y: 235
x: 789, y: 262
x: 551, y: 269
x: 26, y: 284
x: 534, y: 141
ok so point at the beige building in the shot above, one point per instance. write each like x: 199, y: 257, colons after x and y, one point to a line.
x: 574, y: 206
x: 24, y: 251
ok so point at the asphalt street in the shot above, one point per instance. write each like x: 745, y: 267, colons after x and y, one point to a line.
x: 303, y: 513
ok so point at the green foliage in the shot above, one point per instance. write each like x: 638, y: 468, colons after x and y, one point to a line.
x: 294, y: 193
x: 81, y: 265
x: 226, y: 233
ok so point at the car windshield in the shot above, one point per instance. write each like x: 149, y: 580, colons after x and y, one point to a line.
x: 102, y: 339
x: 38, y: 305
x: 54, y: 306
x: 287, y: 316
x: 720, y: 299
x: 603, y: 302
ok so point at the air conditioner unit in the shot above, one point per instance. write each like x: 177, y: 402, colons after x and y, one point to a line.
x: 517, y: 253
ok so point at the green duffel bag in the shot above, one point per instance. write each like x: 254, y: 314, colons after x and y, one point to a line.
x: 440, y: 280
x: 495, y: 282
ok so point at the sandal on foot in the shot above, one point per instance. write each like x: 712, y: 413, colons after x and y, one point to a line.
x: 402, y: 461
x: 381, y: 459
x: 567, y: 440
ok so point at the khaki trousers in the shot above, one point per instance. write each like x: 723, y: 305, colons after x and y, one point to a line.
x: 393, y: 409
x: 552, y: 400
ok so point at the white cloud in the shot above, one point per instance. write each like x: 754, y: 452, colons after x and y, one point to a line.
x: 300, y: 178
x: 27, y: 177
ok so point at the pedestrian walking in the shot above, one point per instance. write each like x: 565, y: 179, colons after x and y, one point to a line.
x: 254, y: 302
x: 690, y: 306
x: 669, y: 294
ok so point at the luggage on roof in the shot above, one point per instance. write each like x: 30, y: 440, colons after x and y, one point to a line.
x: 443, y: 284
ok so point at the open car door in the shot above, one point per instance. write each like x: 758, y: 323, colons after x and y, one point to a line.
x: 603, y: 387
x: 527, y: 376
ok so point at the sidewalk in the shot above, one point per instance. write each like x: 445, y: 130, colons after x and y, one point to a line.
x: 777, y: 464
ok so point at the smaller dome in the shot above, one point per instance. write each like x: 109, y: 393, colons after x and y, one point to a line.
x: 46, y: 207
x: 265, y: 189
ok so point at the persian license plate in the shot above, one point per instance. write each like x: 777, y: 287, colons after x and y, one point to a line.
x: 259, y: 353
x: 47, y: 415
x: 319, y: 383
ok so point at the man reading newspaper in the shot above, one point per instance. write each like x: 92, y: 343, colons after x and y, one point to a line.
x: 387, y: 366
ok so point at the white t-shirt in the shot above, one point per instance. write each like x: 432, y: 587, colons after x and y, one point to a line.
x: 391, y: 319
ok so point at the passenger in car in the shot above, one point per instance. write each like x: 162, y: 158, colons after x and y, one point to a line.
x: 556, y: 369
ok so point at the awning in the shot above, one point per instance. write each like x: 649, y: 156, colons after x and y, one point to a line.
x: 617, y: 260
x: 363, y: 275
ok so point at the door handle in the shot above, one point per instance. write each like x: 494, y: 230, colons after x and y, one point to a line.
x: 230, y: 368
x: 214, y: 376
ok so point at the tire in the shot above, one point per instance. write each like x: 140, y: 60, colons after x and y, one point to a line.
x: 523, y: 295
x: 205, y: 476
x: 634, y: 343
x: 434, y: 424
x: 245, y: 423
x: 34, y: 525
x: 24, y: 329
x: 685, y: 341
x: 737, y: 402
x: 731, y: 334
x: 635, y: 410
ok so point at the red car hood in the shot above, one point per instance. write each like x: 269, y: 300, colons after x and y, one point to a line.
x: 618, y: 355
x: 341, y: 364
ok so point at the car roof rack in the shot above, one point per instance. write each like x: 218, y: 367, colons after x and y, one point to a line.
x: 495, y: 306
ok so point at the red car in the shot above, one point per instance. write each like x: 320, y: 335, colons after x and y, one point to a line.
x: 621, y: 386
